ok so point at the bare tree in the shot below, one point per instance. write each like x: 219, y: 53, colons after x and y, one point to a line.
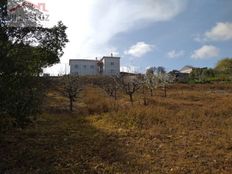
x: 129, y: 85
x: 109, y: 85
x: 70, y: 87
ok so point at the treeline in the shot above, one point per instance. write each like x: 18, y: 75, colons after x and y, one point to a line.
x: 221, y: 72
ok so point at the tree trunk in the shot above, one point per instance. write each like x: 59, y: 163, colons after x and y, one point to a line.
x: 131, y: 99
x: 151, y: 90
x: 165, y: 91
x: 145, y: 103
x: 144, y: 97
x: 71, y: 105
x: 115, y: 95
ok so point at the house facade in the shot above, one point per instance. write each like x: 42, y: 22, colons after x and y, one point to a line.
x: 186, y: 69
x: 105, y: 66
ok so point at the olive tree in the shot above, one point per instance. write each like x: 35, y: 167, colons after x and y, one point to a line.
x: 225, y: 66
x: 24, y: 52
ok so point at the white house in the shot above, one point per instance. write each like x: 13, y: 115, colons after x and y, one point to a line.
x: 105, y: 66
x: 186, y: 69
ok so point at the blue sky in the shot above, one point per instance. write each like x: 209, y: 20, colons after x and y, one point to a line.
x: 169, y: 33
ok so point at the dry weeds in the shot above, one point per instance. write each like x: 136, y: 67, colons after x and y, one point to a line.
x: 190, y: 131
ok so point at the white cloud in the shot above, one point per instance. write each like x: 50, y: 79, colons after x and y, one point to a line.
x: 139, y: 49
x: 175, y: 54
x: 206, y: 51
x: 92, y: 24
x: 220, y: 32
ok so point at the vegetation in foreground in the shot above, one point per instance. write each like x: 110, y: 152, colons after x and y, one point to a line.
x: 190, y: 131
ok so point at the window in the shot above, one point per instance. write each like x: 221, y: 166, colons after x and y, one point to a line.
x: 112, y: 63
x: 76, y: 66
x: 84, y: 66
x: 92, y: 66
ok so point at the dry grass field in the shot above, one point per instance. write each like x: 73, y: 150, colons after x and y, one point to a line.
x: 189, y: 131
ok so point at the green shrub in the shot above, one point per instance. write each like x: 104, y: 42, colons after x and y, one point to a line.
x: 21, y: 97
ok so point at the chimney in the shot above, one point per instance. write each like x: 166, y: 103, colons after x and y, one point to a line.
x: 112, y: 55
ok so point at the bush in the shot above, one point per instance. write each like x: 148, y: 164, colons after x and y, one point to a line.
x: 95, y: 101
x: 201, y: 75
x: 6, y: 123
x: 21, y: 97
x: 139, y: 117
